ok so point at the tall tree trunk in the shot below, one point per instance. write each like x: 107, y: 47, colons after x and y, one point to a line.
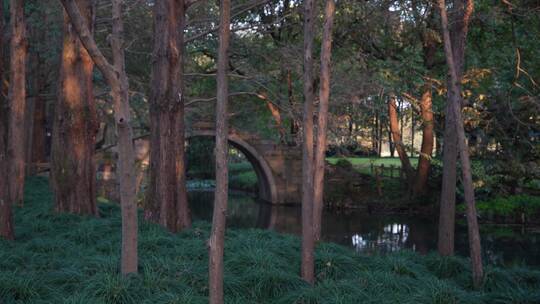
x: 424, y: 160
x: 117, y: 80
x: 75, y: 125
x: 308, y: 241
x: 398, y: 142
x: 6, y: 217
x: 17, y: 103
x: 216, y: 242
x: 413, y: 122
x: 322, y: 123
x: 167, y: 198
x: 455, y: 64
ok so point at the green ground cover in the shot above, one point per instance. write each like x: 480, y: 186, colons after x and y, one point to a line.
x: 60, y: 258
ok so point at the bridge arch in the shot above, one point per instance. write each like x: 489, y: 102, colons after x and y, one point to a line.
x: 265, y: 178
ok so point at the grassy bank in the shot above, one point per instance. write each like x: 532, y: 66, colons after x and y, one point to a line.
x: 363, y: 164
x: 72, y: 259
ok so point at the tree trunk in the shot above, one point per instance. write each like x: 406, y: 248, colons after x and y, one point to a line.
x: 75, y: 125
x: 17, y: 103
x: 166, y: 201
x: 308, y: 241
x: 322, y: 123
x: 398, y: 143
x: 117, y: 80
x: 455, y: 63
x: 424, y: 161
x: 6, y: 217
x: 216, y: 242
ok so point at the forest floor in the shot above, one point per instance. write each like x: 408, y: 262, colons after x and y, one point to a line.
x: 62, y: 258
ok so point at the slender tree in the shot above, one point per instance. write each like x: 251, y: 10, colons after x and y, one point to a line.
x: 17, y: 103
x: 322, y: 122
x: 308, y: 241
x: 455, y: 100
x: 457, y: 37
x: 117, y: 80
x: 167, y: 197
x: 75, y: 125
x: 216, y: 242
x: 398, y: 141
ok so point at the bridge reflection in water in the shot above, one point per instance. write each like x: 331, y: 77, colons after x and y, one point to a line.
x: 372, y: 233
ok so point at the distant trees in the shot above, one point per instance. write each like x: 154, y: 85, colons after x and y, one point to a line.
x: 166, y: 201
x: 216, y: 242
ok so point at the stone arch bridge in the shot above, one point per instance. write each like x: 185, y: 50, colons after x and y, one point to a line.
x: 278, y: 166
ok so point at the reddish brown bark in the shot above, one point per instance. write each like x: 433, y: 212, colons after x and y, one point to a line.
x: 216, y: 242
x: 424, y: 161
x: 167, y: 198
x: 455, y: 59
x: 322, y: 122
x: 308, y: 241
x: 73, y: 168
x: 398, y: 143
x: 17, y: 103
x: 117, y: 80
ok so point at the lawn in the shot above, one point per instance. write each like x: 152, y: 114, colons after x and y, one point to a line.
x: 363, y: 164
x: 62, y: 258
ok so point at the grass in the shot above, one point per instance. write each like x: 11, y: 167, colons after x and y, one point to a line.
x: 363, y: 164
x: 62, y: 258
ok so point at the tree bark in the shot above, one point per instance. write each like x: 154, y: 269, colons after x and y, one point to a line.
x: 6, y: 217
x: 308, y: 241
x: 17, y: 104
x: 457, y: 38
x: 117, y: 80
x: 75, y: 125
x: 455, y: 64
x: 322, y: 123
x: 398, y: 142
x: 216, y: 242
x: 166, y: 201
x: 424, y: 160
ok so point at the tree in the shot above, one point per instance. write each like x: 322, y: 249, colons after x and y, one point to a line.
x: 6, y: 217
x: 398, y: 142
x: 17, y: 103
x: 455, y: 58
x: 308, y: 241
x: 216, y: 242
x: 117, y: 79
x: 167, y: 197
x: 322, y: 119
x: 75, y: 125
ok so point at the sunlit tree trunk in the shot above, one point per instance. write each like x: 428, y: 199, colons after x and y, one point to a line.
x: 308, y: 241
x: 73, y: 168
x: 398, y: 142
x: 166, y: 201
x: 424, y: 160
x: 322, y: 122
x: 17, y: 103
x: 216, y: 242
x: 117, y: 80
x: 455, y: 63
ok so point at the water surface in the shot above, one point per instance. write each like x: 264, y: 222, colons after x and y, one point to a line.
x: 375, y: 233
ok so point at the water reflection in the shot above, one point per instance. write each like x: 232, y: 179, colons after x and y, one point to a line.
x: 370, y: 234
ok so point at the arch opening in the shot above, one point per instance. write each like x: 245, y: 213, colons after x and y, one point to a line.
x: 266, y: 185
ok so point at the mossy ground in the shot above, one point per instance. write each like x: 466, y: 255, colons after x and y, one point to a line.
x: 60, y: 258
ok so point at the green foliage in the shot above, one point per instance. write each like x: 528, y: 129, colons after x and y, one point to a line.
x: 513, y: 205
x: 60, y: 258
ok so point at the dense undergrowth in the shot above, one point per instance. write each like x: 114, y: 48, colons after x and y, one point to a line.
x: 72, y: 259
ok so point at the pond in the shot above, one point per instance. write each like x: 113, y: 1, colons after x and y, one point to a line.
x: 375, y: 233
